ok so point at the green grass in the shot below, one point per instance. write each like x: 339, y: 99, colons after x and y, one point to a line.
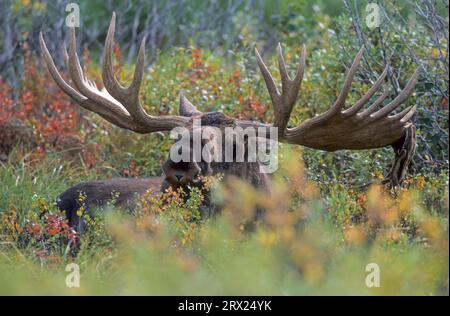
x: 324, y: 251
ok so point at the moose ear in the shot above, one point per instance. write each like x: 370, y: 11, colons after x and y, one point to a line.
x: 186, y: 107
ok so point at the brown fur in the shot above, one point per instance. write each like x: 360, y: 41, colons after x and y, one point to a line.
x: 98, y: 193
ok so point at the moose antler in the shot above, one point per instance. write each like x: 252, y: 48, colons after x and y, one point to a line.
x: 350, y: 128
x: 339, y: 128
x: 335, y: 129
x: 115, y: 103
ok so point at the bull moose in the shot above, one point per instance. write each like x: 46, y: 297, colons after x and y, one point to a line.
x: 340, y: 127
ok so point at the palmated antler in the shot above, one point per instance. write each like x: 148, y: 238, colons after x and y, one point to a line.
x: 283, y: 102
x: 115, y: 103
x: 340, y: 128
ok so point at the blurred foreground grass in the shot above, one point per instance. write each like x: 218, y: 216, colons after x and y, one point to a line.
x: 311, y: 243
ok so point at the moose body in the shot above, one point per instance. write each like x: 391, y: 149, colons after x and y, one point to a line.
x: 123, y: 192
x: 340, y: 127
x: 94, y: 194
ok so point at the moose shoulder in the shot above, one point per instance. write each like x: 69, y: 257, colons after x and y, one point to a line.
x: 342, y: 126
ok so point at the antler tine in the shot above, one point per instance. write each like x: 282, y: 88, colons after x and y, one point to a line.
x: 66, y: 57
x: 282, y: 66
x: 365, y: 98
x: 66, y: 63
x: 405, y: 115
x: 62, y: 84
x: 403, y: 95
x: 116, y: 104
x: 186, y: 108
x: 270, y: 83
x: 283, y: 103
x: 109, y: 78
x: 128, y: 96
x: 373, y: 107
x: 290, y: 90
x: 285, y: 79
x: 339, y: 128
x: 402, y: 114
x: 114, y: 117
x: 301, y: 65
x: 409, y: 114
x: 340, y: 101
x: 348, y: 129
x: 135, y: 85
x: 80, y: 81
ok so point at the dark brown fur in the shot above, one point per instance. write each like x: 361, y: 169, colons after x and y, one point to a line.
x: 98, y: 193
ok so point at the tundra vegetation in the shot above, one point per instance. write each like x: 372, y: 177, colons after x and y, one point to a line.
x: 329, y: 214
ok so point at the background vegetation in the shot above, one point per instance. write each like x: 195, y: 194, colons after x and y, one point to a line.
x: 328, y: 218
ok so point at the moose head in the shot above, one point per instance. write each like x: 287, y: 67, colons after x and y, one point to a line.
x: 340, y: 127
